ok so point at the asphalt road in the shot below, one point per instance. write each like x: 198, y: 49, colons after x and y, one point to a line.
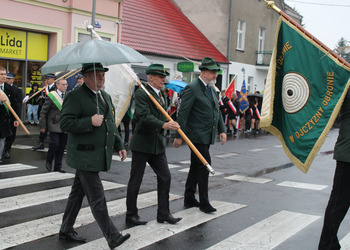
x: 263, y: 201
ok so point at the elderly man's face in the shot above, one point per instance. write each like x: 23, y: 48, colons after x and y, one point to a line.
x: 62, y: 85
x: 89, y: 79
x: 209, y: 76
x: 156, y: 81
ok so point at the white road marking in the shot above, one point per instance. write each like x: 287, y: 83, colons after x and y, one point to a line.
x: 225, y: 155
x: 33, y: 230
x: 142, y: 236
x: 15, y: 167
x: 33, y: 179
x: 186, y: 170
x: 185, y: 162
x: 248, y: 179
x: 345, y: 242
x: 269, y: 233
x: 117, y: 158
x: 257, y: 149
x: 302, y: 185
x: 37, y: 198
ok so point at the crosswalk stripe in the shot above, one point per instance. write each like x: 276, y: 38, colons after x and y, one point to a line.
x: 185, y: 162
x: 15, y: 167
x: 268, y: 233
x: 30, y: 147
x: 117, y: 158
x: 186, y: 170
x: 225, y: 155
x: 277, y: 146
x: 345, y: 242
x: 257, y: 149
x: 248, y: 179
x: 37, y: 198
x: 302, y: 185
x: 33, y: 179
x: 33, y: 230
x: 143, y: 236
x: 174, y: 166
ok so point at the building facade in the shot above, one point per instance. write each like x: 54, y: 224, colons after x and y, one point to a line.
x: 243, y: 30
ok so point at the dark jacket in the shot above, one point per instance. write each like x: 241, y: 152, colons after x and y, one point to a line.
x: 148, y: 135
x: 199, y: 115
x: 89, y: 148
x: 50, y: 115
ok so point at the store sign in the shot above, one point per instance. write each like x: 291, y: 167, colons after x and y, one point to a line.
x: 185, y: 66
x: 12, y: 43
x: 37, y: 46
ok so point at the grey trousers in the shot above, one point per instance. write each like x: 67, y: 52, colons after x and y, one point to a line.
x: 89, y: 184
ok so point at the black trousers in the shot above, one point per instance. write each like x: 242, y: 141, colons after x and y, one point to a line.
x: 337, y: 207
x: 198, y: 175
x: 89, y: 184
x: 58, y: 142
x: 10, y: 139
x: 159, y: 164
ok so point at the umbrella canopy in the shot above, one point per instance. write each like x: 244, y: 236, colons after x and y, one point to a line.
x: 91, y: 51
x: 176, y: 85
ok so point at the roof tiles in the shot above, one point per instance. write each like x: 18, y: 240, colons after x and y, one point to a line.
x: 158, y: 27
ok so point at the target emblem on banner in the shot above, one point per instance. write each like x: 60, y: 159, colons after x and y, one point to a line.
x: 295, y: 92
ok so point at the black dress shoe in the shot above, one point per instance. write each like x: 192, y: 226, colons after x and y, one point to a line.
x: 207, y: 209
x: 168, y: 218
x: 117, y: 242
x: 7, y: 154
x: 72, y: 236
x: 192, y: 203
x: 135, y: 220
x: 48, y: 166
x: 39, y: 146
x: 61, y: 170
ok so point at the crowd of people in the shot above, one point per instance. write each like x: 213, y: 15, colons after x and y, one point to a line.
x: 90, y: 136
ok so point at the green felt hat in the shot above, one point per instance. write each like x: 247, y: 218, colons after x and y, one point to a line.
x: 156, y: 69
x: 208, y: 63
x: 87, y: 67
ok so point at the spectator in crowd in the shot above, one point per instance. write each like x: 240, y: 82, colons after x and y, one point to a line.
x: 232, y: 114
x: 33, y: 106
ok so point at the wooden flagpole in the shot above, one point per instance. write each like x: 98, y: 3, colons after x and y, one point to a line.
x: 65, y: 76
x: 14, y: 114
x: 271, y: 5
x: 190, y: 144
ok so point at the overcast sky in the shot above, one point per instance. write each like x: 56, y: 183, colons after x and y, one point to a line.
x: 327, y: 20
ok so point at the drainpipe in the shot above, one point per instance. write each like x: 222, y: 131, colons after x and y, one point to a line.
x: 229, y: 42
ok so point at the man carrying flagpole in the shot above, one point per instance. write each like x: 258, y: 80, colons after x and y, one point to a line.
x: 200, y: 118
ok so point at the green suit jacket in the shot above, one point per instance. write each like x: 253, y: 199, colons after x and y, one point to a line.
x: 199, y: 115
x: 342, y: 146
x: 148, y: 135
x: 89, y: 148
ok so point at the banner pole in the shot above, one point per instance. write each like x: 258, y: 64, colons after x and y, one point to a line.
x: 190, y: 144
x: 271, y: 5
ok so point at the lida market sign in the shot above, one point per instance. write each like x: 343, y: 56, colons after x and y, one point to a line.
x: 23, y: 45
x: 185, y: 66
x: 13, y: 43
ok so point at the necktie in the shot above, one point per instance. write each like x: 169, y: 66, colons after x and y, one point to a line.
x: 161, y: 99
x: 209, y: 91
x: 101, y: 99
x: 62, y: 95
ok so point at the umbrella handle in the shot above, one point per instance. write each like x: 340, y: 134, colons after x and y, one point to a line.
x: 190, y: 144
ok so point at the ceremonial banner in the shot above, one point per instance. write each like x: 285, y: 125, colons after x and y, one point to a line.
x: 304, y: 93
x: 243, y: 99
x: 119, y: 84
x: 230, y: 88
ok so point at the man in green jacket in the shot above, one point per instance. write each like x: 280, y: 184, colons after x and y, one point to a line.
x: 147, y: 145
x: 92, y: 137
x: 339, y: 200
x: 200, y: 118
